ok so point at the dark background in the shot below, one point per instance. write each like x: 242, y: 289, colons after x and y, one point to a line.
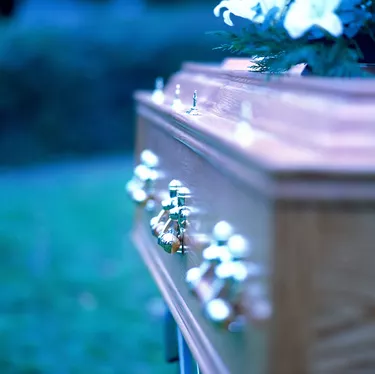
x: 75, y: 297
x: 68, y: 69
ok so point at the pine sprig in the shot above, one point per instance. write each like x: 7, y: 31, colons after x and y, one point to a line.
x: 274, y: 51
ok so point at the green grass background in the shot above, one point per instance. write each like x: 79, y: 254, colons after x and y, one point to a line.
x: 75, y: 296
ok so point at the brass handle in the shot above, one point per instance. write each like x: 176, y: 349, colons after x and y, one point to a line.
x: 157, y: 223
x: 170, y: 239
x: 221, y: 281
x: 141, y: 187
x: 171, y: 236
x: 226, y: 308
x: 212, y: 256
x: 224, y: 247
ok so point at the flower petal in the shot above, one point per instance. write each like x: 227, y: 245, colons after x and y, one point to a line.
x: 219, y: 7
x: 258, y: 18
x: 297, y: 22
x: 332, y: 23
x: 227, y: 19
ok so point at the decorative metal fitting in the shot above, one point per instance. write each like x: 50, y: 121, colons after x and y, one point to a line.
x: 212, y: 255
x: 177, y: 103
x: 224, y: 277
x: 141, y: 187
x: 219, y: 312
x: 223, y: 308
x: 244, y: 132
x: 232, y: 280
x: 224, y: 248
x: 157, y: 223
x: 158, y: 94
x: 171, y: 238
x: 193, y: 111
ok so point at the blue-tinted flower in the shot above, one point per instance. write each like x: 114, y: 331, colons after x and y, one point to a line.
x: 304, y: 14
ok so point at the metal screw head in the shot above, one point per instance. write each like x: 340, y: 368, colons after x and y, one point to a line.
x: 215, y: 254
x: 141, y: 172
x: 219, y: 311
x: 233, y: 270
x: 193, y: 277
x: 238, y: 247
x: 149, y: 159
x: 145, y: 174
x: 183, y: 193
x: 131, y: 186
x: 139, y: 195
x: 222, y: 231
x: 173, y: 187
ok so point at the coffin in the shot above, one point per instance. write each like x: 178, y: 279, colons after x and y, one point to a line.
x: 273, y: 234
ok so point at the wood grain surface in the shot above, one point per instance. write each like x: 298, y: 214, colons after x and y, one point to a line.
x: 306, y: 205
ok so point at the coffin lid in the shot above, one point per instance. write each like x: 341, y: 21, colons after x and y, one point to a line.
x: 307, y: 137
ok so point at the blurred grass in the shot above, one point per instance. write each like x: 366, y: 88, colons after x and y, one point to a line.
x: 75, y: 296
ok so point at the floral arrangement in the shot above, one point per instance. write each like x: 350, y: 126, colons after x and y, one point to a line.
x: 333, y: 37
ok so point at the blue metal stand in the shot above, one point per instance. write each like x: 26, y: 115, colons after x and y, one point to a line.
x: 176, y: 348
x: 170, y: 338
x: 187, y: 364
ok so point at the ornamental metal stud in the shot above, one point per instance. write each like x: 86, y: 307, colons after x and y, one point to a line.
x: 193, y: 111
x: 177, y: 103
x: 213, y: 255
x: 219, y: 311
x: 244, y: 131
x: 246, y: 111
x: 149, y: 159
x: 141, y: 186
x: 157, y: 223
x: 171, y: 238
x: 159, y: 83
x: 158, y: 94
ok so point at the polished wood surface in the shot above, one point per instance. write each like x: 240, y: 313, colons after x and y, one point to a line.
x: 302, y: 190
x: 213, y: 348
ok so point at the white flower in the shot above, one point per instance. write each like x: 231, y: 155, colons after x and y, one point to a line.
x: 267, y: 5
x: 246, y: 9
x: 303, y: 14
x: 240, y: 8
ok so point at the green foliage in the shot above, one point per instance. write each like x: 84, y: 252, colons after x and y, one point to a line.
x: 273, y: 51
x: 354, y: 15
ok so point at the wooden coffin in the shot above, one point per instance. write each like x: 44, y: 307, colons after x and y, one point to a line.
x: 289, y: 163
